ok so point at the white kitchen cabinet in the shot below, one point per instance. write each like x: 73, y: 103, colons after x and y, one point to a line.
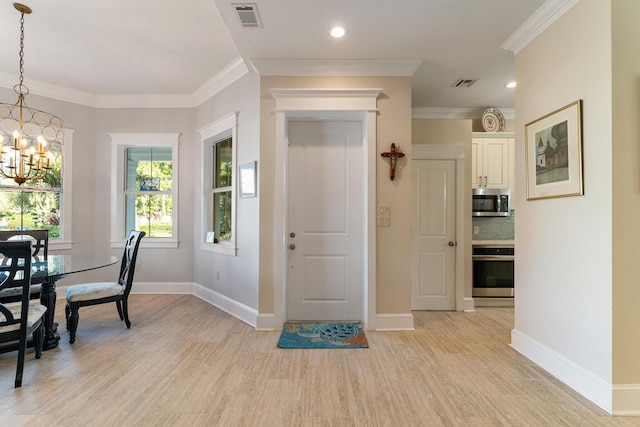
x: 491, y: 164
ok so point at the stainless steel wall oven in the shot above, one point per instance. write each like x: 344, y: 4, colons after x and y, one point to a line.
x: 493, y: 272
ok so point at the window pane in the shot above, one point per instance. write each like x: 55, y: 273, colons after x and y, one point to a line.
x: 41, y: 210
x: 222, y: 215
x: 148, y: 169
x: 150, y: 213
x: 223, y: 166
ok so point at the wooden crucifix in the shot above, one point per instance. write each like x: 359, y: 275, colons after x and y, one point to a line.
x: 394, y: 154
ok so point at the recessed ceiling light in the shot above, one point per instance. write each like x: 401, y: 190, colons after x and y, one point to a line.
x: 338, y: 32
x: 511, y: 85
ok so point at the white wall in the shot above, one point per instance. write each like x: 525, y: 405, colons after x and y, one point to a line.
x: 238, y: 279
x: 563, y: 270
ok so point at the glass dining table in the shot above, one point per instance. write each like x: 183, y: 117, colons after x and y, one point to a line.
x: 47, y: 271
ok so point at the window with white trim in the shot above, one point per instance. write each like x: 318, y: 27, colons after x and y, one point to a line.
x: 219, y: 148
x: 145, y: 192
x: 46, y: 204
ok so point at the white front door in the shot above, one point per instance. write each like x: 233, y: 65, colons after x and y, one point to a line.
x: 434, y: 224
x: 325, y: 217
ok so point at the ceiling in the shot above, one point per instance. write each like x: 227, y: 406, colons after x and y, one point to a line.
x: 145, y: 47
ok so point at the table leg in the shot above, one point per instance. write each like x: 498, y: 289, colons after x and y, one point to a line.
x: 48, y: 299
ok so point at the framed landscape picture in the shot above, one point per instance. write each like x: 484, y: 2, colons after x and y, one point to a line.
x: 553, y: 145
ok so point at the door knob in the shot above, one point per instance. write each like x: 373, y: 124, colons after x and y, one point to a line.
x: 292, y: 246
x: 292, y: 235
x: 452, y: 243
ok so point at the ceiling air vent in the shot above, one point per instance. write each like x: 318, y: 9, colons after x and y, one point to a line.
x: 464, y: 82
x: 248, y: 15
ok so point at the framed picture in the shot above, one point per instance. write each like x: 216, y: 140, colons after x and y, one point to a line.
x: 247, y: 177
x: 553, y: 146
x: 210, y: 237
x: 150, y: 184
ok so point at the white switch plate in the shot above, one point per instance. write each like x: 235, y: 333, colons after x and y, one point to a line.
x: 383, y: 209
x: 476, y: 229
x: 383, y: 220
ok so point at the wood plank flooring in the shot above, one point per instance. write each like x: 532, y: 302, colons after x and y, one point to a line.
x: 186, y: 363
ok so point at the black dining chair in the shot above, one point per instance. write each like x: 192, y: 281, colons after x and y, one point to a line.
x: 39, y: 249
x: 18, y: 320
x: 103, y: 292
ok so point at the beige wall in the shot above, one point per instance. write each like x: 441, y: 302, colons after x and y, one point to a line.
x: 394, y: 243
x: 563, y: 246
x: 451, y: 132
x: 626, y: 189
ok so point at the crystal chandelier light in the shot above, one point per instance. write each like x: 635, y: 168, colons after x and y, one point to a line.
x: 30, y: 140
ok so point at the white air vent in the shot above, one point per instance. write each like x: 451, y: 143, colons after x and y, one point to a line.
x: 248, y: 15
x: 464, y: 82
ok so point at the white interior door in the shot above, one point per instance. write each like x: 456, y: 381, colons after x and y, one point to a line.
x: 434, y: 225
x: 324, y: 278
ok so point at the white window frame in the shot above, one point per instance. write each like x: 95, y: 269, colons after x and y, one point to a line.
x: 66, y: 195
x: 119, y: 143
x: 222, y: 128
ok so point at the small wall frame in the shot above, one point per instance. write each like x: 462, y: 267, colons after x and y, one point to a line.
x: 247, y: 180
x: 554, y: 154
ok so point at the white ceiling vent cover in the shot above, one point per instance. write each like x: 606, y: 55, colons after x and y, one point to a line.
x: 464, y: 82
x: 248, y: 15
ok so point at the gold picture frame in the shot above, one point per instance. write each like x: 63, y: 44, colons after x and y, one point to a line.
x: 553, y: 148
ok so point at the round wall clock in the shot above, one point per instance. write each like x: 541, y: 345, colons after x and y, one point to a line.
x: 492, y: 120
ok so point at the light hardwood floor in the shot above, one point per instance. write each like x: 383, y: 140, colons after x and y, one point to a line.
x: 186, y: 363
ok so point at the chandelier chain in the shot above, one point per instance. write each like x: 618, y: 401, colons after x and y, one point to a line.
x: 21, y: 85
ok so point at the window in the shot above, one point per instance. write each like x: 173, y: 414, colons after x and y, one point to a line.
x: 45, y: 204
x: 222, y: 190
x: 148, y: 203
x: 219, y: 147
x: 145, y: 167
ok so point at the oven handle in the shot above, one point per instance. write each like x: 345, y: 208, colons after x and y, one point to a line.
x: 493, y: 258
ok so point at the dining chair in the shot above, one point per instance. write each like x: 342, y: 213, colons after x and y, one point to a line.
x: 39, y: 249
x: 103, y: 292
x: 18, y: 320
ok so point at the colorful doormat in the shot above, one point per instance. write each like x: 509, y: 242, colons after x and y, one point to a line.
x: 322, y: 335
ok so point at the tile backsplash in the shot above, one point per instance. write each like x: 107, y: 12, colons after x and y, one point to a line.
x: 493, y: 228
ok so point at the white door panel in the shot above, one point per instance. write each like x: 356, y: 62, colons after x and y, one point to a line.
x: 324, y: 280
x: 433, y: 278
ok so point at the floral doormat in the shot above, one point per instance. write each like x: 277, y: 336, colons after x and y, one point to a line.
x: 323, y: 335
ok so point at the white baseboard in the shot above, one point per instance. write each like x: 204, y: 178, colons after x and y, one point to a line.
x: 226, y: 304
x: 575, y: 376
x: 266, y: 322
x: 468, y: 305
x: 626, y: 400
x: 394, y: 322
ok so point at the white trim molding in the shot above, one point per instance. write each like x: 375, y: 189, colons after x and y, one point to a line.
x: 542, y: 19
x: 360, y: 104
x: 232, y: 72
x: 394, y: 322
x: 226, y: 304
x: 575, y: 376
x: 626, y: 400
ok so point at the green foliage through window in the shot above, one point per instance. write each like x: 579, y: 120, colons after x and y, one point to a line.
x: 148, y: 183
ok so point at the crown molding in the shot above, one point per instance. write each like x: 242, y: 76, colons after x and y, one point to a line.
x: 456, y: 113
x: 305, y: 67
x: 221, y: 80
x: 542, y: 19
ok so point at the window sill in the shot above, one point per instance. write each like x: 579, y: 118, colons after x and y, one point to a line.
x: 149, y: 244
x: 59, y: 245
x: 219, y: 248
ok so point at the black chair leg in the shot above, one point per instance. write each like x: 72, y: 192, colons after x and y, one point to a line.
x: 22, y: 349
x: 119, y: 305
x: 126, y: 313
x: 38, y: 340
x: 67, y: 310
x: 72, y: 323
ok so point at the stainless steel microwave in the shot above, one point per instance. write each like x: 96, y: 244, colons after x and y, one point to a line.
x: 491, y: 202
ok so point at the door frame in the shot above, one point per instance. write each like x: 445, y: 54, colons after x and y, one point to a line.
x: 325, y: 104
x: 457, y: 153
